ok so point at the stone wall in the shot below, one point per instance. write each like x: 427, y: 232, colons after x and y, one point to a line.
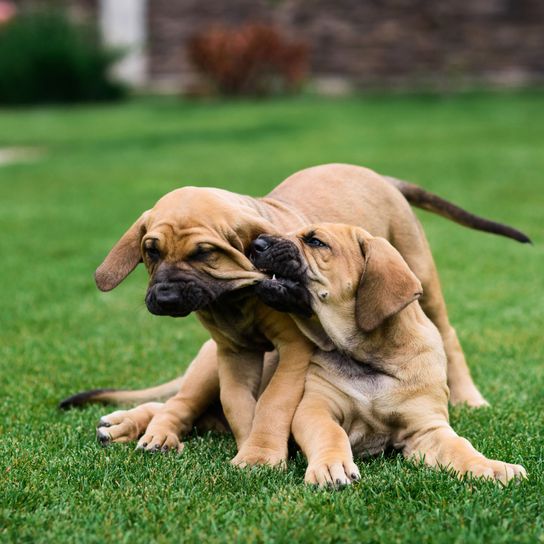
x: 364, y: 43
x: 372, y: 43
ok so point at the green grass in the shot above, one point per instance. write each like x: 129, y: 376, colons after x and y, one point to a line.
x: 105, y: 165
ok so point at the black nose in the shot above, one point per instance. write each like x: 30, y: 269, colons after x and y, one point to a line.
x: 166, y: 294
x: 260, y: 245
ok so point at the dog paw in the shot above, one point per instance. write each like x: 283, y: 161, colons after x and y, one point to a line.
x: 126, y: 425
x: 117, y: 427
x: 160, y: 441
x: 468, y: 395
x: 495, y: 470
x: 332, y: 473
x: 249, y: 456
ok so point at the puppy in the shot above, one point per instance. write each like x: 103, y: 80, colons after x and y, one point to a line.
x: 378, y: 379
x: 195, y: 242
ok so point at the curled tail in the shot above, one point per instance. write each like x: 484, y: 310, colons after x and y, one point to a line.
x: 428, y: 201
x: 115, y: 396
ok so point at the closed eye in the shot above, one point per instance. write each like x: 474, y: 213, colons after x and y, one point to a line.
x: 201, y: 253
x: 312, y: 241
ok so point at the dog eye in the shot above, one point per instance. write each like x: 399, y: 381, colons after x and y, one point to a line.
x: 153, y: 253
x: 314, y: 242
x: 200, y: 253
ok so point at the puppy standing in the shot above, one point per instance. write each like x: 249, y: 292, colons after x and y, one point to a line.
x: 385, y: 383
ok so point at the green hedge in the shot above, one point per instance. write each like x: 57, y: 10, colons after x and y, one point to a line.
x: 46, y: 58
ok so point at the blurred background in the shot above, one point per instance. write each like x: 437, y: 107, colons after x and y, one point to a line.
x: 267, y: 46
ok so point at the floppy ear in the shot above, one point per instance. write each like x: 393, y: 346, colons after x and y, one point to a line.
x: 123, y: 257
x: 387, y: 285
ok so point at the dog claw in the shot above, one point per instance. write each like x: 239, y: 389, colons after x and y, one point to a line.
x: 103, y: 436
x: 103, y: 422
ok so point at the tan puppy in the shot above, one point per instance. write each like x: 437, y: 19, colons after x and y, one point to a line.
x: 379, y: 377
x: 194, y: 243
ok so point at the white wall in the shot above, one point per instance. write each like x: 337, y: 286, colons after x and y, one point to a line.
x: 123, y: 26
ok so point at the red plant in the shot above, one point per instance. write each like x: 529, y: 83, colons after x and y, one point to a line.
x: 253, y: 59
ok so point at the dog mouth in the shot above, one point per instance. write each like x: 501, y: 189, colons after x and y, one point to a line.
x: 284, y: 288
x: 280, y: 283
x: 285, y: 294
x: 176, y: 299
x: 176, y: 294
x: 277, y: 279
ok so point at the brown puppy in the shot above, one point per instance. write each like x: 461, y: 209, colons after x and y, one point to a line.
x: 379, y: 377
x: 194, y: 243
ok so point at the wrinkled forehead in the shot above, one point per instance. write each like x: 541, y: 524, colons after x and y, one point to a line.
x: 178, y: 235
x: 331, y: 231
x: 174, y: 224
x: 190, y: 212
x: 196, y: 203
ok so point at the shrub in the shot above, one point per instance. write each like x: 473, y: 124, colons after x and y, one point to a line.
x: 254, y: 59
x: 46, y: 58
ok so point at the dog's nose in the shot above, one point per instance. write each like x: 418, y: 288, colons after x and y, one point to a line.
x: 166, y: 294
x: 260, y: 245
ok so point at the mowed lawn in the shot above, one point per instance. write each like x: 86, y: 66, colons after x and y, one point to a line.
x: 103, y: 165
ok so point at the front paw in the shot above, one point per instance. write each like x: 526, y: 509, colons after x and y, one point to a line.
x: 157, y: 440
x: 332, y: 472
x: 126, y: 425
x: 249, y: 456
x: 119, y: 427
x: 495, y: 470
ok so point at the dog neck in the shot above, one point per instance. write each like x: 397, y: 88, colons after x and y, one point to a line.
x: 387, y: 343
x: 313, y: 330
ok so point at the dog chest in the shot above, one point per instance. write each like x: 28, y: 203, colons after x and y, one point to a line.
x: 368, y: 423
x: 234, y: 322
x: 359, y: 380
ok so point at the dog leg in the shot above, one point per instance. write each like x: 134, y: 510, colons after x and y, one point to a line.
x: 412, y: 244
x: 325, y: 444
x: 442, y: 447
x: 462, y: 388
x: 126, y: 425
x: 267, y: 443
x: 240, y: 377
x: 199, y: 389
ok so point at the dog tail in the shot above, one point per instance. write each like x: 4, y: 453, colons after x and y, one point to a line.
x: 120, y: 396
x: 433, y: 203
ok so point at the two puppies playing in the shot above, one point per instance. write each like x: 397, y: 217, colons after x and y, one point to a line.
x: 377, y: 378
x: 380, y: 368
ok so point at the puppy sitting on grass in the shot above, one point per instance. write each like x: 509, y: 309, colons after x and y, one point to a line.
x: 378, y: 379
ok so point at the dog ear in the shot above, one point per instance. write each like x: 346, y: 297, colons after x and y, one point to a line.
x: 123, y: 257
x: 387, y: 284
